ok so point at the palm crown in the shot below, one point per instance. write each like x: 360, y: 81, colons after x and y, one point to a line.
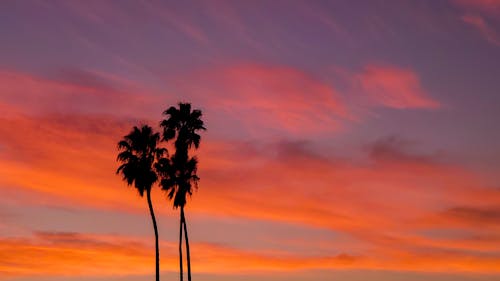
x: 139, y: 150
x: 179, y: 172
x: 184, y: 123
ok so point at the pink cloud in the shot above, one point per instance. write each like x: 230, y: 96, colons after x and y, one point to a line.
x: 70, y: 92
x: 394, y: 87
x: 275, y: 99
x: 483, y: 27
x: 482, y: 15
x: 272, y: 97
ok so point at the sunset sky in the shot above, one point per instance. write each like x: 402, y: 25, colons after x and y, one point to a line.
x: 347, y: 140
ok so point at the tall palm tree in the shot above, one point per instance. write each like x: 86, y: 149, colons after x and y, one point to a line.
x: 139, y: 153
x: 179, y: 172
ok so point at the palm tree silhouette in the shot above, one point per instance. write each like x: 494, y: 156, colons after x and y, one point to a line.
x: 139, y: 152
x: 179, y: 172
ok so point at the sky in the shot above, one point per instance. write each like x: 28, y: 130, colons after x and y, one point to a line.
x: 346, y: 140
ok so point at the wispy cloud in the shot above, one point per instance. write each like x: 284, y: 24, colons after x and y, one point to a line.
x: 482, y: 15
x: 483, y: 27
x: 482, y: 216
x: 71, y: 91
x: 263, y: 97
x: 394, y: 87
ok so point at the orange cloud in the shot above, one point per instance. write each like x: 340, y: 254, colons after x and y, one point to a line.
x: 75, y: 156
x: 341, y: 196
x: 245, y: 180
x: 69, y: 159
x: 74, y: 254
x: 394, y: 87
x: 481, y: 217
x: 70, y: 254
x: 44, y: 166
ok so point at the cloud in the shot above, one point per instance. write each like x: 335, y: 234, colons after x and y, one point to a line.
x: 381, y: 200
x: 394, y: 148
x: 480, y: 216
x: 492, y: 214
x: 73, y: 255
x: 67, y: 158
x: 71, y: 91
x: 335, y: 180
x: 394, y: 87
x: 483, y: 15
x: 79, y: 254
x: 259, y: 98
x: 342, y: 189
x: 483, y: 27
x: 276, y: 98
x: 270, y: 100
x: 74, y: 163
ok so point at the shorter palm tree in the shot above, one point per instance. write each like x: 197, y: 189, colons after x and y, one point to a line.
x: 139, y: 153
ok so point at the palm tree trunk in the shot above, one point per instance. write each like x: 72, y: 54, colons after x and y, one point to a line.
x: 180, y: 248
x: 156, y: 235
x: 187, y: 245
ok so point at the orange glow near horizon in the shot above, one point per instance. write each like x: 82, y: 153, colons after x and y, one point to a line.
x: 93, y: 255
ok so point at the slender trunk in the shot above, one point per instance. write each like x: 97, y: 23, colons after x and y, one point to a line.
x: 180, y: 248
x: 156, y: 235
x: 187, y: 245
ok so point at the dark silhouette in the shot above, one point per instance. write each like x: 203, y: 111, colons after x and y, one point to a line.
x: 179, y: 172
x: 139, y: 153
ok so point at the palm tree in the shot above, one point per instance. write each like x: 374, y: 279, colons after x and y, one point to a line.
x: 179, y: 172
x: 139, y: 152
